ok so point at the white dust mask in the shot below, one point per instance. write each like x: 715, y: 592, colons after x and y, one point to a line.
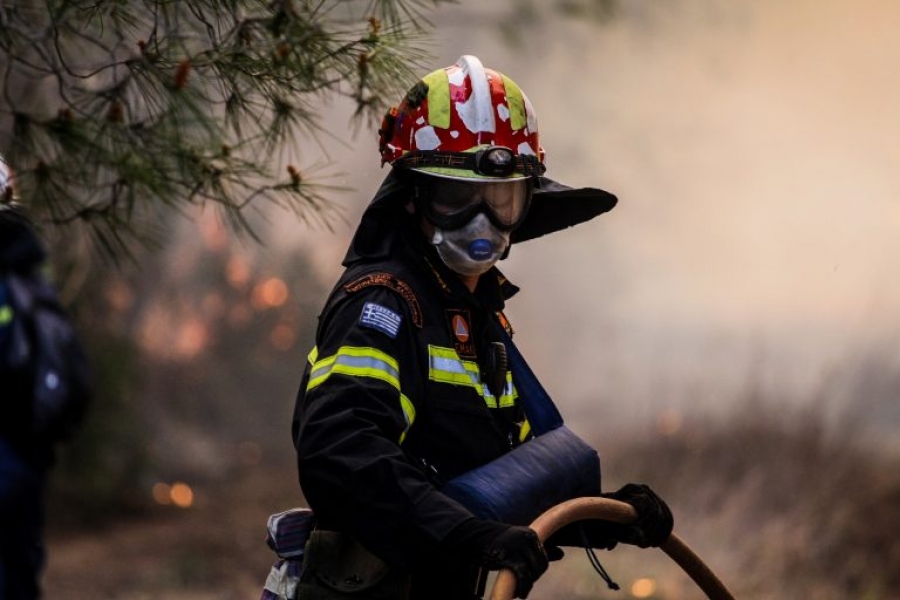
x: 473, y: 248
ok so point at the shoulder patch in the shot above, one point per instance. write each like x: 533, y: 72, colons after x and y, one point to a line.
x: 381, y: 318
x: 460, y: 322
x: 389, y: 281
x: 504, y: 322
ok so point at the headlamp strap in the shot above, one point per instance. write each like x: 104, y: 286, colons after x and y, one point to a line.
x: 526, y: 164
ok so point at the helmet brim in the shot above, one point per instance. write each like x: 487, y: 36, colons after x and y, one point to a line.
x: 555, y: 207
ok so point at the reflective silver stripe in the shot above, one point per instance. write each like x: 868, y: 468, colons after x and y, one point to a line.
x: 445, y: 366
x: 356, y: 362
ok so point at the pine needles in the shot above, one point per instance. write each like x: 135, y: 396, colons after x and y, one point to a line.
x: 112, y: 111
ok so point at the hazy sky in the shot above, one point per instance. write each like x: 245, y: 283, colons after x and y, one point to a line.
x: 754, y: 149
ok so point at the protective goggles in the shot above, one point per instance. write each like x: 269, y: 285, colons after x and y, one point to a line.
x: 451, y: 203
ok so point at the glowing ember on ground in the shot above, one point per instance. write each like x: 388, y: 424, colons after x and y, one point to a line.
x: 643, y: 588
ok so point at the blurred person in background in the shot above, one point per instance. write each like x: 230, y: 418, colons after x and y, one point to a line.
x: 407, y: 386
x: 43, y: 393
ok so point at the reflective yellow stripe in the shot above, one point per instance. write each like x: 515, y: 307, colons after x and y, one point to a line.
x: 508, y: 398
x: 438, y: 98
x: 6, y: 314
x: 313, y: 355
x: 516, y: 103
x: 409, y: 413
x: 524, y: 431
x: 445, y: 366
x: 361, y: 362
x: 356, y: 362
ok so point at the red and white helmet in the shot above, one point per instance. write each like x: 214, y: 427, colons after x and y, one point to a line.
x: 459, y: 111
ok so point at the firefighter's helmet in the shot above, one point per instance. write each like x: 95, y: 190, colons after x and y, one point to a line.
x: 464, y: 121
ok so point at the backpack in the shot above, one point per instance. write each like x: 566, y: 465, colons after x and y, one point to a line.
x: 37, y: 338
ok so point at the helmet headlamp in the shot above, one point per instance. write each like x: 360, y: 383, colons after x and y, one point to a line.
x: 496, y: 161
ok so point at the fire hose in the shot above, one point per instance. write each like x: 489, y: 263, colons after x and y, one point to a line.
x: 580, y: 509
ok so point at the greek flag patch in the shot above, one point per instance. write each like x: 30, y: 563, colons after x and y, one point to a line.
x: 381, y: 318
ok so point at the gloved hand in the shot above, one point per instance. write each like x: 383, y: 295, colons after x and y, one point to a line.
x: 554, y: 553
x: 654, y: 522
x: 518, y: 549
x: 592, y: 533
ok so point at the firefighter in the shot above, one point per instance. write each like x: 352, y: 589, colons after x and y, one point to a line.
x: 404, y: 389
x: 44, y: 393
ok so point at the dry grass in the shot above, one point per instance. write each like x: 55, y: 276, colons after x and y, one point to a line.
x: 777, y: 506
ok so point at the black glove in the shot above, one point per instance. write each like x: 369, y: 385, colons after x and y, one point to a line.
x: 591, y: 533
x: 518, y: 549
x: 654, y: 519
x: 554, y: 553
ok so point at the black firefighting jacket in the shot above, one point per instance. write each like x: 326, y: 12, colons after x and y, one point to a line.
x: 394, y: 401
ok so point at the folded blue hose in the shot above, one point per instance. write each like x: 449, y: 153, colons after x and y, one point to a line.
x: 520, y: 485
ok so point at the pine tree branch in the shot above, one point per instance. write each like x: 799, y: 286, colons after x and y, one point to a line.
x: 115, y: 109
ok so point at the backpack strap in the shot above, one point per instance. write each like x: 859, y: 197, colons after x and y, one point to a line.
x: 536, y: 402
